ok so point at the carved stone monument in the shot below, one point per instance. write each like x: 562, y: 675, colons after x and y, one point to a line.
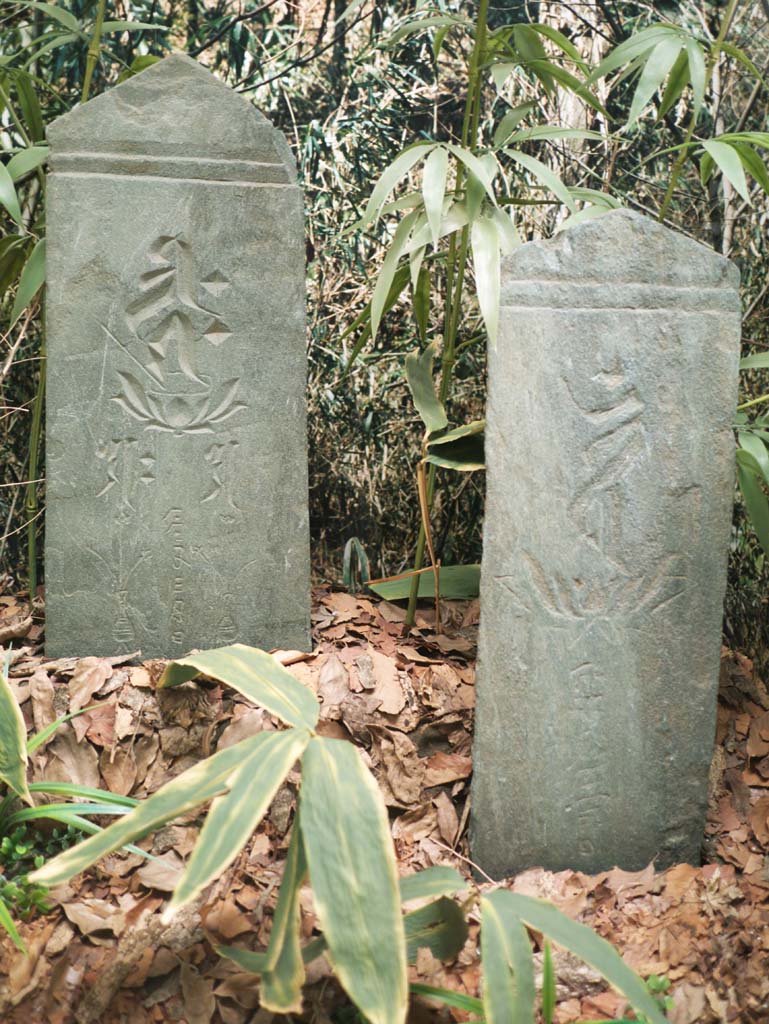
x: 610, y: 476
x: 177, y: 512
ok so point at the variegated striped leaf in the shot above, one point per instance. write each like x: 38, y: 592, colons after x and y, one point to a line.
x: 352, y: 868
x: 249, y: 790
x: 13, y: 742
x: 189, y: 790
x: 256, y: 675
x: 281, y: 967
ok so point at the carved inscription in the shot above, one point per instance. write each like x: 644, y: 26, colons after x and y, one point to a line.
x: 590, y: 764
x: 174, y: 521
x: 613, y: 410
x: 171, y: 321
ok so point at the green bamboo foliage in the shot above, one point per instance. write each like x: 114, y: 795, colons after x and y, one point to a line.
x: 13, y: 742
x: 354, y: 878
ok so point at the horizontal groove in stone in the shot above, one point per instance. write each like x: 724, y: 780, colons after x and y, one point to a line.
x: 182, y: 168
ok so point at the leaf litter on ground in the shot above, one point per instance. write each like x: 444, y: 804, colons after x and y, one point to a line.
x: 405, y: 697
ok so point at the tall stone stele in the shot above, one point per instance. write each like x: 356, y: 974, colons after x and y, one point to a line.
x: 610, y: 462
x: 177, y: 512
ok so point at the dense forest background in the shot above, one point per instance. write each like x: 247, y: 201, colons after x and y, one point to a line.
x: 350, y: 91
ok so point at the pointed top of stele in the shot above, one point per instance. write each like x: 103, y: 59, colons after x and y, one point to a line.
x: 174, y: 109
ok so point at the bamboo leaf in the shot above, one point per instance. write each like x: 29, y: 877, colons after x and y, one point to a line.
x: 457, y: 583
x: 461, y: 449
x: 31, y: 281
x: 748, y: 474
x: 434, y: 189
x: 389, y: 269
x: 508, y: 965
x: 13, y: 742
x: 390, y: 177
x: 585, y: 944
x: 561, y: 42
x: 510, y: 122
x: 419, y: 374
x: 235, y: 814
x: 457, y: 1000
x: 545, y: 131
x: 421, y: 300
x: 677, y: 80
x: 546, y: 175
x: 435, y: 881
x: 730, y: 165
x: 254, y: 674
x: 439, y: 926
x: 484, y: 171
x: 69, y: 21
x: 30, y: 105
x: 697, y: 73
x: 354, y: 878
x: 195, y: 786
x: 509, y: 239
x: 548, y: 986
x: 637, y: 45
x: 131, y: 26
x: 750, y: 443
x: 26, y: 160
x: 8, y: 196
x: 759, y: 361
x: 655, y: 71
x: 486, y: 262
x: 568, y: 81
x: 753, y: 164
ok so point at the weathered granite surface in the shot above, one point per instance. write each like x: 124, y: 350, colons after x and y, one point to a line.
x: 610, y: 474
x: 177, y: 512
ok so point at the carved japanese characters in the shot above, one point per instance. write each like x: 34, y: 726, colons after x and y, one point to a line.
x: 610, y: 471
x: 177, y: 480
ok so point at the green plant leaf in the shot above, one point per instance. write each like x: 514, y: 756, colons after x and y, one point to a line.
x: 487, y: 265
x: 421, y: 300
x: 30, y: 105
x: 546, y: 175
x: 584, y: 943
x: 457, y: 1000
x: 13, y: 742
x: 31, y: 281
x: 730, y: 165
x: 281, y: 966
x: 750, y: 443
x: 434, y: 175
x: 676, y: 83
x: 461, y: 448
x: 510, y: 122
x: 546, y: 131
x: 390, y: 177
x: 482, y: 169
x: 253, y: 673
x: 548, y: 985
x: 69, y: 21
x: 656, y: 69
x: 759, y: 361
x: 756, y: 502
x: 508, y: 965
x: 353, y: 873
x: 637, y: 45
x: 81, y: 793
x: 457, y: 583
x: 753, y: 164
x: 137, y: 65
x: 8, y: 196
x: 439, y: 926
x: 697, y: 73
x: 419, y: 374
x: 7, y: 922
x: 132, y: 26
x: 40, y: 737
x: 26, y: 160
x: 235, y: 814
x: 195, y: 786
x: 389, y: 268
x: 435, y: 881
